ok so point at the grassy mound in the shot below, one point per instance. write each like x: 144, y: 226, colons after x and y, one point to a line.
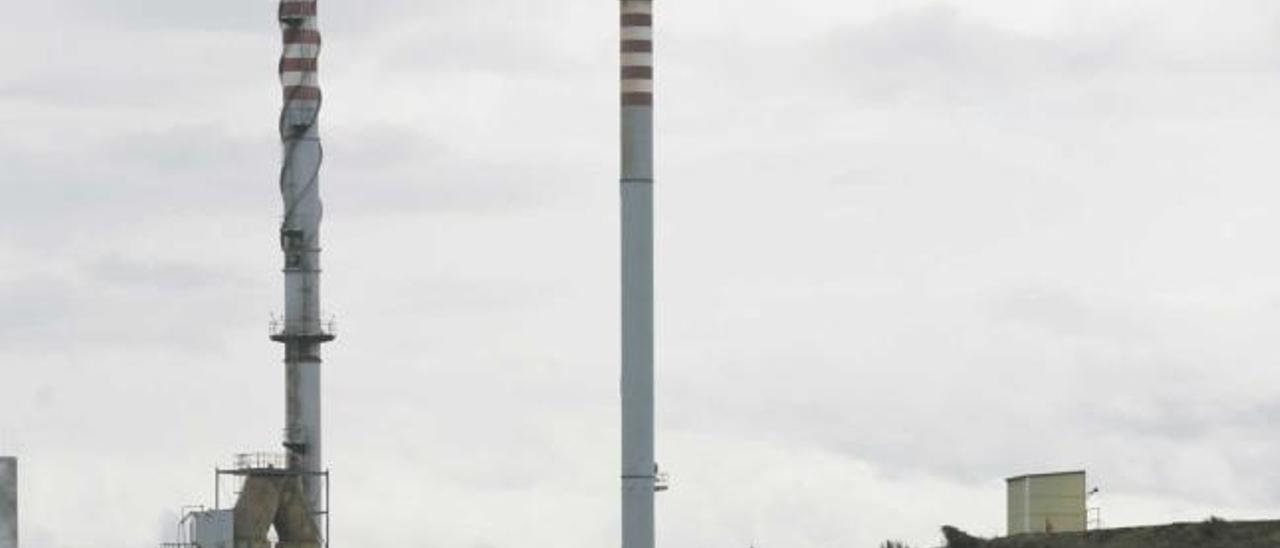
x: 1212, y: 533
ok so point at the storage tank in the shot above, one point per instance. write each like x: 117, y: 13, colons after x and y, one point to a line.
x: 213, y: 529
x: 1047, y: 503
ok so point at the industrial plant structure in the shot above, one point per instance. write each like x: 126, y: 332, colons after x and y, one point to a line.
x: 302, y: 330
x: 1047, y: 503
x: 8, y: 502
x: 289, y: 494
x: 639, y: 469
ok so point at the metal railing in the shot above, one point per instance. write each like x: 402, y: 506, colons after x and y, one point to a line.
x: 261, y: 461
x: 278, y: 326
x: 183, y: 539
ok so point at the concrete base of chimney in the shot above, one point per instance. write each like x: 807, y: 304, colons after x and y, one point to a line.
x: 274, y: 499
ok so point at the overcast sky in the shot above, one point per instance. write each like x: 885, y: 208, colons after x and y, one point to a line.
x: 906, y: 249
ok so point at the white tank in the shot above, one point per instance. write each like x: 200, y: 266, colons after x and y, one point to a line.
x: 213, y: 529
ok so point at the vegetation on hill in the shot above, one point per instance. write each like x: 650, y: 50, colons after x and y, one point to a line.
x: 1211, y: 533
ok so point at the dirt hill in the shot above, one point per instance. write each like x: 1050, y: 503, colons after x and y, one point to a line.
x: 1213, y: 533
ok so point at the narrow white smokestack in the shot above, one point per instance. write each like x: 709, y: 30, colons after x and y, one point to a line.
x: 8, y: 502
x: 302, y: 331
x: 639, y: 469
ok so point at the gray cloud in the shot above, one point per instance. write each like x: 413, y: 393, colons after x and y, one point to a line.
x: 941, y: 42
x: 904, y: 252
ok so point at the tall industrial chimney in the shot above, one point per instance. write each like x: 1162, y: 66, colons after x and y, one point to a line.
x: 8, y: 502
x: 302, y: 331
x: 639, y: 469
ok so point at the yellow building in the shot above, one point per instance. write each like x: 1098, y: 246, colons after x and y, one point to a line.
x: 1047, y: 503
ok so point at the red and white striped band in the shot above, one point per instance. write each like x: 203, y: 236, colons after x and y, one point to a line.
x: 637, y: 52
x: 298, y: 63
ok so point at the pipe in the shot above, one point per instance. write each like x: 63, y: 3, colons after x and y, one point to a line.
x: 638, y: 466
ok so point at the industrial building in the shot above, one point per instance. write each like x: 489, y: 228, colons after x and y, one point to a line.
x: 8, y: 502
x: 1047, y: 503
x: 287, y: 493
x: 271, y: 504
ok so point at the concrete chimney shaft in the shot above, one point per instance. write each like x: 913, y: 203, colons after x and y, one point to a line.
x: 302, y: 331
x: 639, y: 469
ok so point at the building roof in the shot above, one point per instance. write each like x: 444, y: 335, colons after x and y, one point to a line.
x: 1046, y: 475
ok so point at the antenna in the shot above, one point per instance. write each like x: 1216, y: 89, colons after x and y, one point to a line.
x: 1093, y: 514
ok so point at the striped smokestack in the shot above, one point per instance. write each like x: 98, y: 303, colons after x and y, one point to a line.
x: 301, y: 332
x: 638, y: 466
x: 298, y: 62
x: 637, y: 53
